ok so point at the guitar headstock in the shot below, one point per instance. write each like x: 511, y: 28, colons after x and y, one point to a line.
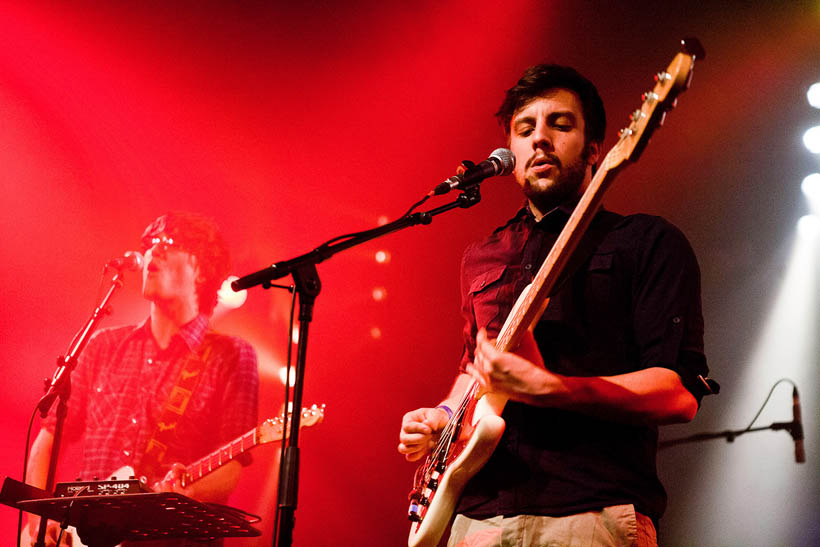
x: 669, y: 83
x: 272, y: 429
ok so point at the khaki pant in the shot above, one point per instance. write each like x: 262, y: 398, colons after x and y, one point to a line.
x: 614, y: 526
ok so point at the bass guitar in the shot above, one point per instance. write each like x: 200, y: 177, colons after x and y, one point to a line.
x: 472, y: 434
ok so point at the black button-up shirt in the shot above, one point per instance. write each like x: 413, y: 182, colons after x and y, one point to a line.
x: 632, y: 302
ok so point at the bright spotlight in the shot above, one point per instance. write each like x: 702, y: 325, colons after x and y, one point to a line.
x: 809, y: 226
x: 375, y: 332
x: 813, y: 94
x: 811, y: 186
x: 382, y: 257
x: 227, y: 298
x: 283, y: 371
x: 379, y: 293
x: 811, y: 139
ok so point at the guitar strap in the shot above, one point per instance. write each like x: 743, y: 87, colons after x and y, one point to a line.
x: 190, y: 376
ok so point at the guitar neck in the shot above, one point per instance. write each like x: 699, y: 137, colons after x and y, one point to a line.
x: 532, y: 307
x: 220, y: 457
x: 271, y: 430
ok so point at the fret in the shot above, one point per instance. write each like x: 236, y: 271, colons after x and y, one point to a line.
x: 258, y: 435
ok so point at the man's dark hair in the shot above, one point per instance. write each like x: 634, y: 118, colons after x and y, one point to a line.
x: 200, y: 236
x: 539, y: 79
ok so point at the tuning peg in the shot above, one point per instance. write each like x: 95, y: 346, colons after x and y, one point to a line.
x: 662, y: 76
x: 693, y: 47
x: 649, y: 96
x: 625, y: 132
x: 662, y: 118
x: 637, y: 115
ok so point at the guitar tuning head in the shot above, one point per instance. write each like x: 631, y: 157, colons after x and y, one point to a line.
x: 693, y: 47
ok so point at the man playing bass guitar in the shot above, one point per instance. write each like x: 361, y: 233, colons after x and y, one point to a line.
x: 617, y: 352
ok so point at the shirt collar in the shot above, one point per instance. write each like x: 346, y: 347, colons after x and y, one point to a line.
x: 191, y: 333
x: 554, y: 219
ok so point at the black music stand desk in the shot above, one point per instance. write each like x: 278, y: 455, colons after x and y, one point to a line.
x: 104, y: 521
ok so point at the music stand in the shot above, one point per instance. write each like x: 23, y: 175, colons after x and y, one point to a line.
x: 105, y: 521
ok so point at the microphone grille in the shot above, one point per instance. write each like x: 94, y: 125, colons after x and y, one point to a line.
x: 505, y: 156
x: 134, y: 260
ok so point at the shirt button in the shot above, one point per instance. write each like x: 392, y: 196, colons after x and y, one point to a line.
x: 150, y: 361
x: 99, y: 389
x: 133, y: 420
x: 528, y: 266
x: 676, y: 320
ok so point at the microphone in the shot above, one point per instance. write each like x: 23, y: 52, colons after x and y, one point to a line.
x: 500, y: 162
x: 131, y: 260
x: 797, y: 428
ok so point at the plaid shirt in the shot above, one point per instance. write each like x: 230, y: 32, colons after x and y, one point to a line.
x: 122, y: 383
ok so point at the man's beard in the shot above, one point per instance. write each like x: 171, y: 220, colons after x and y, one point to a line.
x: 566, y: 186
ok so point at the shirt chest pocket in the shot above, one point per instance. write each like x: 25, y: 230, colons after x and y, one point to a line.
x: 587, y: 295
x: 600, y: 282
x: 493, y: 293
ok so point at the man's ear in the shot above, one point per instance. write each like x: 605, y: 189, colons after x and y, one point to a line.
x: 593, y: 153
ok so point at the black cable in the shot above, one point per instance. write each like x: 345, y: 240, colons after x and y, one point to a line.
x: 749, y: 427
x: 355, y: 234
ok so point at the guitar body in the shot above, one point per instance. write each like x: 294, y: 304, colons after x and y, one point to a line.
x: 468, y: 459
x: 473, y: 432
x: 480, y: 434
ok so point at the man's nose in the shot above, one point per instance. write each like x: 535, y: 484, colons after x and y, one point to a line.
x: 542, y: 138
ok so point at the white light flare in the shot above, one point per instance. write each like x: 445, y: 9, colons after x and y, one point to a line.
x: 813, y: 95
x: 811, y: 189
x: 811, y: 138
x: 283, y: 372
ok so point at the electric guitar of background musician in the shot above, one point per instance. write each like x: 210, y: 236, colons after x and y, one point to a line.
x: 271, y: 430
x: 472, y: 434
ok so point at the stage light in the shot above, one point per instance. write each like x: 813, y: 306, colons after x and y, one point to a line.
x: 379, y: 294
x: 295, y: 336
x: 808, y: 226
x: 811, y: 186
x: 375, y: 333
x: 382, y: 257
x: 811, y: 189
x: 382, y: 220
x: 283, y: 372
x: 813, y: 94
x: 227, y: 299
x: 811, y: 139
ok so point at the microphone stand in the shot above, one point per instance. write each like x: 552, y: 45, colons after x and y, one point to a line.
x: 60, y: 388
x: 308, y: 286
x: 731, y: 435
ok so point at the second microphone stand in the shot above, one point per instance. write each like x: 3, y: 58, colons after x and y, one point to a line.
x: 308, y: 287
x: 60, y: 388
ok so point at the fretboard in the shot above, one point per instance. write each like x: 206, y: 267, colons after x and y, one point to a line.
x: 220, y: 457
